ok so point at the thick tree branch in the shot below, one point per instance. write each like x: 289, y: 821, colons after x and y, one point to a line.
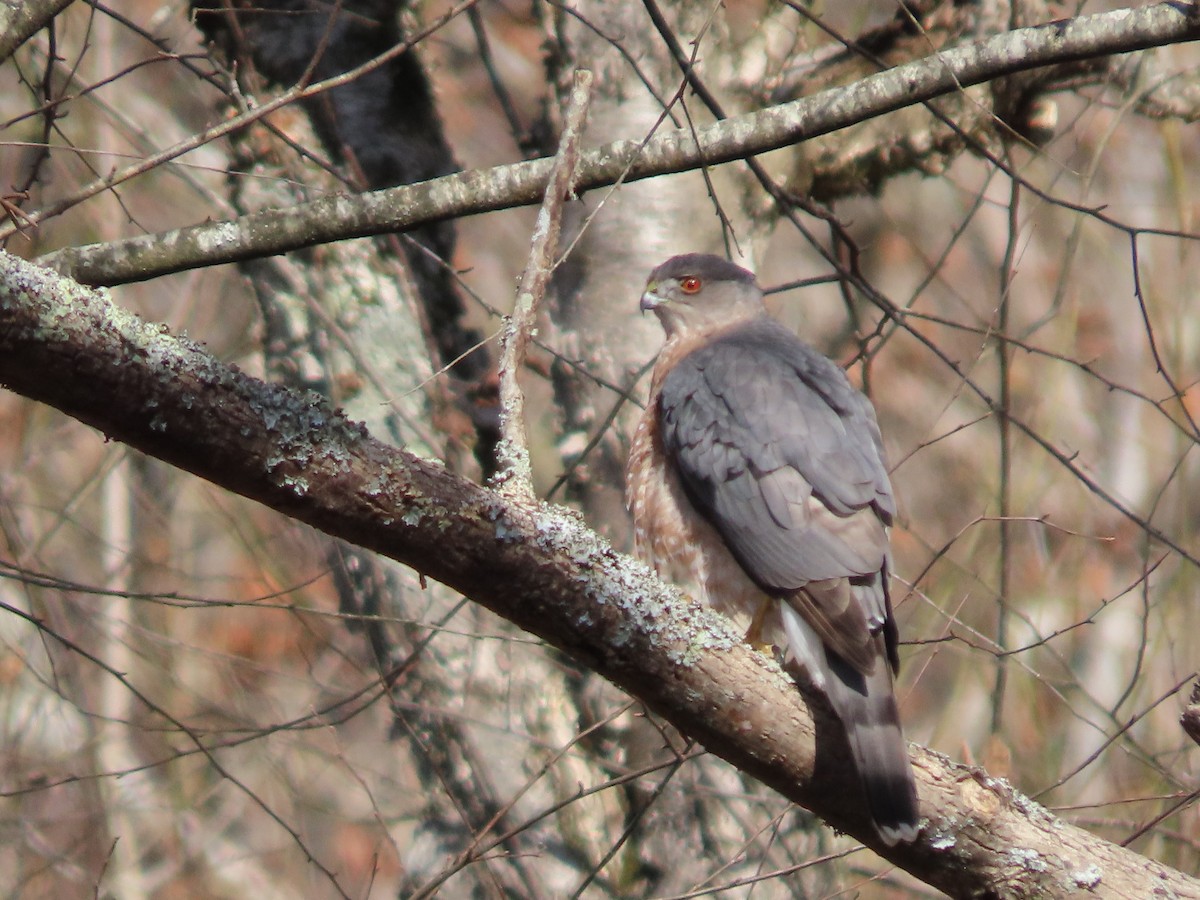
x: 338, y: 217
x: 536, y: 565
x: 22, y: 19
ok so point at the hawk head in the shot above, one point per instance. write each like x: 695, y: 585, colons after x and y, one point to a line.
x: 701, y: 292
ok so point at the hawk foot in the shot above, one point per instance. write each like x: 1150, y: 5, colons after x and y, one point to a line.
x: 754, y: 634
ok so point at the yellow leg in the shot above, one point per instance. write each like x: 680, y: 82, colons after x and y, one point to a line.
x: 754, y: 636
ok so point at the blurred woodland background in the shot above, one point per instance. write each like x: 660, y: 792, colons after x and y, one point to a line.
x: 1034, y: 239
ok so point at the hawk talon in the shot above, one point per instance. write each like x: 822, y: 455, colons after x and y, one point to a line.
x: 754, y: 634
x: 766, y: 648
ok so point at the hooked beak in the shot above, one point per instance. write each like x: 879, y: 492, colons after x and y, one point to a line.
x: 650, y: 299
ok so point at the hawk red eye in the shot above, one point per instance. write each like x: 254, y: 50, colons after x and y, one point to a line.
x: 690, y: 284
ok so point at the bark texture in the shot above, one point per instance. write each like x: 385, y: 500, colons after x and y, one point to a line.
x: 534, y: 564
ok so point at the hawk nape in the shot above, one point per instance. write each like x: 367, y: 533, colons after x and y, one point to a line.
x: 757, y: 476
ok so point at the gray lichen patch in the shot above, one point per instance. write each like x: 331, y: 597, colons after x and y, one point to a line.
x: 684, y: 628
x: 514, y: 472
x: 1026, y: 860
x: 1088, y: 878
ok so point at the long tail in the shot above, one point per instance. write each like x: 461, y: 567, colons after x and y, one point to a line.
x: 867, y: 709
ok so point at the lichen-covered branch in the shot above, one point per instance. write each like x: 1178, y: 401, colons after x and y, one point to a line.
x: 19, y: 21
x: 532, y: 563
x: 340, y: 216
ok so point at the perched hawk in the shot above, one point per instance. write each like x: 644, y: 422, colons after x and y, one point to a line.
x: 757, y: 476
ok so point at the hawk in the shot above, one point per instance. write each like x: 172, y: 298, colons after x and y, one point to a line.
x: 757, y: 476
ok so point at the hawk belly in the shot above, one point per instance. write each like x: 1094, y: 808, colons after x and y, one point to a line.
x: 682, y: 546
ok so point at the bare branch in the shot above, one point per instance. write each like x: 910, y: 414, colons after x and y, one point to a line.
x: 513, y: 450
x: 339, y: 217
x: 534, y: 564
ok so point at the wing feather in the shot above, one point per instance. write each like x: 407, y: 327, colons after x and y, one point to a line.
x: 784, y: 458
